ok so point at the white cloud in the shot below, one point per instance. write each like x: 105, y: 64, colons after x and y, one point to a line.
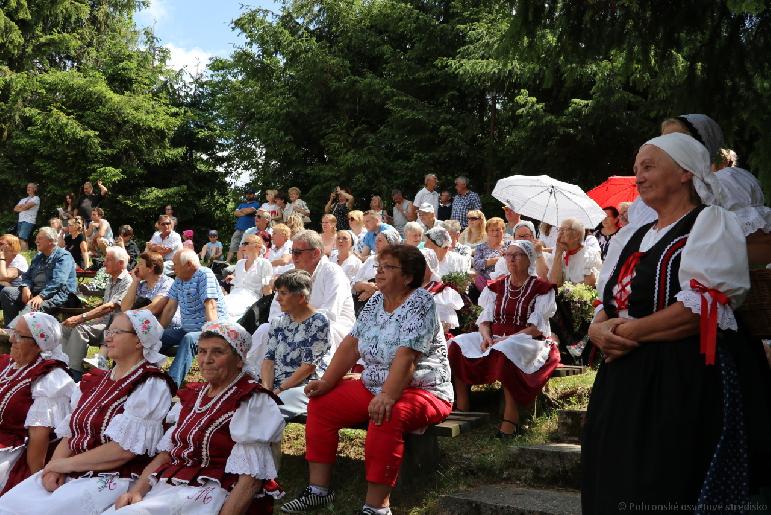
x: 155, y: 12
x: 193, y: 60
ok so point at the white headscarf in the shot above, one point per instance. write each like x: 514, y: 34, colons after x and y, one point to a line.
x: 439, y: 236
x: 236, y: 336
x: 529, y: 249
x: 708, y: 132
x: 691, y: 155
x: 432, y: 262
x: 525, y: 223
x: 149, y: 332
x: 391, y: 236
x: 47, y: 333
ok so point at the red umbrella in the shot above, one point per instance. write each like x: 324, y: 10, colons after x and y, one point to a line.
x: 616, y: 189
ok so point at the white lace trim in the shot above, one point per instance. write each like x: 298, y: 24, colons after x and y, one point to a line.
x: 63, y: 428
x: 692, y: 301
x: 254, y: 459
x: 752, y: 218
x: 165, y: 443
x: 47, y: 412
x: 136, y: 435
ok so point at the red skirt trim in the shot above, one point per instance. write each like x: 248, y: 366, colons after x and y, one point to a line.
x: 497, y: 367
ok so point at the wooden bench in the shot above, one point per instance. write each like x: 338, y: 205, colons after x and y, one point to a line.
x: 421, y: 451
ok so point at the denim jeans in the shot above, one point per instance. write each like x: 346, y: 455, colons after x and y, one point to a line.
x: 187, y: 347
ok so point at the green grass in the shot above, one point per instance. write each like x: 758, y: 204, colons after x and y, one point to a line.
x: 472, y: 459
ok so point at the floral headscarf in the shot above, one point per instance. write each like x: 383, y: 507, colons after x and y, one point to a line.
x: 149, y: 332
x: 47, y: 333
x: 236, y: 336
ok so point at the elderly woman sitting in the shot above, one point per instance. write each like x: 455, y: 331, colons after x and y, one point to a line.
x: 344, y: 256
x: 510, y: 346
x: 674, y: 363
x: 216, y: 458
x: 298, y: 342
x: 115, y: 425
x: 405, y: 384
x: 413, y: 234
x: 525, y: 230
x: 34, y: 395
x: 572, y: 260
x: 364, y: 284
x: 12, y: 262
x: 439, y: 241
x: 250, y: 280
x: 489, y: 253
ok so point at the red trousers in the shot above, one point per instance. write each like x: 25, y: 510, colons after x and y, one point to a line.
x: 346, y: 405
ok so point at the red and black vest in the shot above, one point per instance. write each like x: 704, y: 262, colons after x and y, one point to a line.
x: 201, y: 441
x: 16, y: 398
x: 513, y: 306
x: 102, y: 399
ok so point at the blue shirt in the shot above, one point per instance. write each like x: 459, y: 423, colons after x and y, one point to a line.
x: 61, y: 279
x: 290, y: 344
x: 462, y: 204
x: 246, y: 221
x: 369, y: 238
x: 190, y: 296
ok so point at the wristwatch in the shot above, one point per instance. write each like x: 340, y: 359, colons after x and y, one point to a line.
x: 83, y: 317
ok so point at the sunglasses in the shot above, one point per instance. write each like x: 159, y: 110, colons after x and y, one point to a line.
x: 473, y: 218
x: 297, y: 252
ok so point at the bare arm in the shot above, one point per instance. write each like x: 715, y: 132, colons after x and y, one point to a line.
x: 37, y: 447
x: 131, y: 295
x: 142, y: 485
x: 240, y: 497
x: 168, y: 312
x: 673, y: 323
x: 210, y: 310
x: 345, y: 358
x: 107, y: 456
x: 86, y: 255
x: 555, y: 274
x: 267, y: 373
x: 300, y: 375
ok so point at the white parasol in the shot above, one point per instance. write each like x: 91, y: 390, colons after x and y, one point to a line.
x: 548, y: 200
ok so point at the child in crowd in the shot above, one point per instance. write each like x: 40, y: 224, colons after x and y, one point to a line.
x: 212, y: 250
x: 187, y: 236
x: 271, y: 207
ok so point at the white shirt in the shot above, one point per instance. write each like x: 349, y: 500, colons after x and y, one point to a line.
x: 453, y: 262
x: 173, y: 241
x: 350, y: 265
x: 278, y: 252
x: 425, y: 196
x: 585, y: 262
x: 30, y: 215
x: 20, y: 264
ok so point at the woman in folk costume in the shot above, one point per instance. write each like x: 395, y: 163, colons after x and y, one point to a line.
x: 511, y: 344
x: 35, y: 394
x: 217, y: 456
x: 114, y: 428
x: 667, y: 420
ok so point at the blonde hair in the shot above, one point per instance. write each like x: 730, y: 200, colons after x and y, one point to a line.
x: 380, y: 201
x: 357, y: 215
x: 293, y: 189
x: 269, y: 194
x: 471, y: 236
x: 282, y: 229
x: 12, y: 242
x: 295, y: 224
x: 329, y: 218
x: 495, y: 222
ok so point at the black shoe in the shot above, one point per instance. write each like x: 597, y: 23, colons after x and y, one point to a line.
x: 308, y: 501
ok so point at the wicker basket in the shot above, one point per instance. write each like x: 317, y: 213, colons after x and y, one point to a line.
x: 755, y: 313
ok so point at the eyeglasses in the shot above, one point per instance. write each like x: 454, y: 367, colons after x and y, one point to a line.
x: 297, y: 252
x: 473, y: 218
x: 14, y: 335
x: 109, y: 333
x: 386, y: 267
x: 514, y: 255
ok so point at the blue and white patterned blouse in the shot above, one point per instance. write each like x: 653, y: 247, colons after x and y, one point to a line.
x: 414, y: 325
x: 290, y: 344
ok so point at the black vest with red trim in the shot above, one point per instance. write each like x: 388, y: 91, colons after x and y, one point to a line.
x: 513, y: 306
x: 102, y: 399
x: 201, y: 441
x: 655, y: 283
x: 16, y: 398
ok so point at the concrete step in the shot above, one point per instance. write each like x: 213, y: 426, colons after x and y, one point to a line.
x: 554, y: 464
x: 506, y: 499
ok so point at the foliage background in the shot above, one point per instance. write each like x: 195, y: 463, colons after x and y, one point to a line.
x: 368, y: 94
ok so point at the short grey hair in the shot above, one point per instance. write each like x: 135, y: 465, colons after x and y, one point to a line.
x: 428, y: 176
x: 118, y: 253
x: 413, y: 227
x: 188, y: 256
x: 49, y: 232
x: 462, y: 178
x: 310, y: 238
x: 572, y: 223
x: 295, y: 281
x: 452, y: 226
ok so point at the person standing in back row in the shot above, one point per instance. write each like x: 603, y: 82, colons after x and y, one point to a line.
x: 465, y: 201
x: 403, y: 211
x: 244, y: 220
x: 428, y: 194
x: 27, y: 209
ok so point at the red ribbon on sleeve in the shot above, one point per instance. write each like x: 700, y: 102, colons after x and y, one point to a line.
x: 708, y: 319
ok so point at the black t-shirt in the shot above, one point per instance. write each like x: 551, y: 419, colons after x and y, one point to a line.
x: 88, y: 202
x: 72, y: 245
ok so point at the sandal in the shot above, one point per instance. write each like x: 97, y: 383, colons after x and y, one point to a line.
x: 518, y: 430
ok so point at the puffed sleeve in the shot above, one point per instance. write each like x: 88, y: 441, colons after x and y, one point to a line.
x: 715, y: 255
x: 545, y: 307
x: 139, y: 428
x: 63, y: 428
x: 256, y: 424
x: 500, y: 270
x: 50, y: 399
x: 592, y: 261
x: 447, y: 302
x: 487, y: 301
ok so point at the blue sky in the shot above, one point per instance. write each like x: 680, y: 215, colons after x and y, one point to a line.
x: 196, y: 30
